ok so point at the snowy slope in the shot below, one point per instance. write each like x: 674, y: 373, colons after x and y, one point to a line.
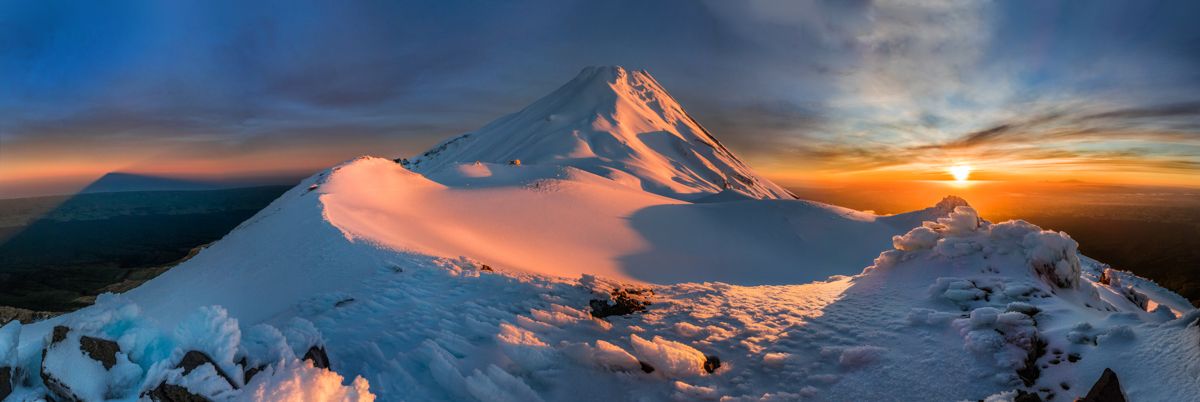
x: 461, y: 281
x: 565, y: 221
x: 339, y: 225
x: 615, y: 123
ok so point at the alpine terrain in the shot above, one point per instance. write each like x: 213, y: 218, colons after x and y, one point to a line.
x: 600, y: 244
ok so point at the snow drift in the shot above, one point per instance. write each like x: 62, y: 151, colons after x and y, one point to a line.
x: 628, y: 256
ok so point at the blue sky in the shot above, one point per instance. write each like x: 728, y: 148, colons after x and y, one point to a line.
x: 236, y: 88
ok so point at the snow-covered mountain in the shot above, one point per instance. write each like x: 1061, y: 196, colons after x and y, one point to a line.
x: 623, y: 275
x: 615, y: 123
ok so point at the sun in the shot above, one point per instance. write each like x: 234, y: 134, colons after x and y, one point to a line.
x: 960, y: 172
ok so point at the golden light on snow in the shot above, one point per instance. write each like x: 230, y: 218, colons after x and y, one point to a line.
x: 960, y: 172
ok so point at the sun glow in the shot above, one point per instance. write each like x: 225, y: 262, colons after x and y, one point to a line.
x: 960, y: 172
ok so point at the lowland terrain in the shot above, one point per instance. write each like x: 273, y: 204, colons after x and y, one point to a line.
x: 58, y: 253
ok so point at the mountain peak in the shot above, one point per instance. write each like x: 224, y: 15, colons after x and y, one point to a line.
x: 616, y: 123
x: 611, y: 71
x: 611, y: 74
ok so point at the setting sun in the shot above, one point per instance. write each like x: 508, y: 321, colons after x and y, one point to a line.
x: 960, y: 172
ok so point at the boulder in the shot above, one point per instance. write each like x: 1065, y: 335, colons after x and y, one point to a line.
x: 102, y: 350
x: 625, y: 302
x: 58, y: 390
x: 193, y: 359
x: 1106, y: 389
x: 166, y: 392
x: 6, y: 378
x: 59, y: 334
x: 174, y: 393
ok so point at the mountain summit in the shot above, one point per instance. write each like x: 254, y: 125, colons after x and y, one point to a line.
x: 616, y: 123
x: 621, y: 260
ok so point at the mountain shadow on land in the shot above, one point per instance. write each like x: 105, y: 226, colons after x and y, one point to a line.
x: 96, y: 242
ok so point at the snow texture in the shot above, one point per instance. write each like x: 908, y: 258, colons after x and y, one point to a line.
x: 451, y: 280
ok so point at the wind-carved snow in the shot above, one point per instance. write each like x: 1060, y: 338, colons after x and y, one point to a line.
x: 481, y: 281
x: 564, y: 221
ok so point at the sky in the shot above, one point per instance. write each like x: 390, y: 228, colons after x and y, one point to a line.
x: 805, y: 91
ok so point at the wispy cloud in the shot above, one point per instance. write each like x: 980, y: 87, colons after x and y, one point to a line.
x: 802, y: 88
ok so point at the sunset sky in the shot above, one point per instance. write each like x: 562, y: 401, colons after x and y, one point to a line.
x: 806, y: 92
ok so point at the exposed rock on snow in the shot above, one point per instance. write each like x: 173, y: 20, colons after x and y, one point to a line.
x: 102, y: 350
x: 79, y: 361
x: 73, y: 369
x: 317, y: 356
x: 623, y: 302
x: 194, y: 359
x: 711, y: 364
x: 6, y: 380
x: 1106, y: 389
x: 173, y: 393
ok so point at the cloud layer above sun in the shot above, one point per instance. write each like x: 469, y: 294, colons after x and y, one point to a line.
x: 804, y: 90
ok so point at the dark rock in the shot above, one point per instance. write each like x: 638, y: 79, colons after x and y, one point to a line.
x: 1106, y: 389
x: 9, y: 314
x: 318, y: 357
x: 626, y: 301
x: 251, y: 372
x: 646, y: 367
x: 486, y: 267
x: 193, y: 359
x: 1074, y: 357
x: 1031, y: 372
x: 1023, y: 396
x: 58, y: 391
x: 711, y: 364
x: 174, y: 393
x: 343, y: 302
x: 60, y: 333
x: 102, y: 350
x: 6, y: 377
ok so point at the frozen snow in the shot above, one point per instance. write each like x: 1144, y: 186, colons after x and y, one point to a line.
x: 10, y: 336
x: 299, y: 381
x: 674, y: 359
x: 460, y: 281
